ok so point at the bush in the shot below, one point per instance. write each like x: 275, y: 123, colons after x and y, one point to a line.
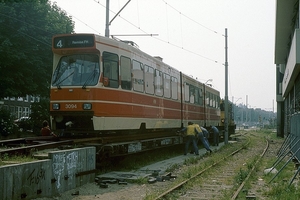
x: 7, y: 125
x: 39, y: 113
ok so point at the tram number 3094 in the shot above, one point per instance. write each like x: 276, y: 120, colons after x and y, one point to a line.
x: 71, y: 106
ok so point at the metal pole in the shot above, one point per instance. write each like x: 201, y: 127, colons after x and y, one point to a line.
x: 204, y: 88
x: 226, y: 89
x: 107, y: 19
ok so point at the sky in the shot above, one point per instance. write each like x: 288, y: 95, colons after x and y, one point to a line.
x: 190, y: 36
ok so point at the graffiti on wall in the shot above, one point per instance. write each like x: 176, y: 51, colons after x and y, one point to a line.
x: 36, y: 176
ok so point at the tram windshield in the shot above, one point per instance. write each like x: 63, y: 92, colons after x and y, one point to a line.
x: 77, y: 70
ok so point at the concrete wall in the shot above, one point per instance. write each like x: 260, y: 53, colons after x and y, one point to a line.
x: 64, y: 170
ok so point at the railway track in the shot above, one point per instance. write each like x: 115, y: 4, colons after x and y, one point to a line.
x: 24, y: 146
x: 223, y: 179
x: 111, y: 144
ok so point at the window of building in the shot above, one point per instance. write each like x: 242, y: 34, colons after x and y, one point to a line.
x: 26, y: 112
x: 20, y: 111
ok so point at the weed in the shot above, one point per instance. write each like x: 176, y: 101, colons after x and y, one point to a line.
x: 241, y: 176
x: 191, y: 161
x: 140, y: 181
x: 172, y: 168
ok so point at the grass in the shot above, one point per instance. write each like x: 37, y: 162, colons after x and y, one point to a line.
x: 5, y: 159
x: 278, y: 188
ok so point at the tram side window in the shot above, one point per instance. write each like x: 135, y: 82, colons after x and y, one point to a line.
x: 207, y: 99
x: 200, y: 96
x: 186, y: 92
x: 192, y: 94
x: 197, y: 97
x: 158, y: 84
x: 174, y: 90
x: 214, y: 101
x: 110, y: 70
x: 137, y: 76
x: 125, y: 69
x: 210, y: 99
x: 149, y: 79
x: 167, y: 85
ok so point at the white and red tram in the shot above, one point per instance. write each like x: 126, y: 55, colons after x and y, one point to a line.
x: 101, y: 85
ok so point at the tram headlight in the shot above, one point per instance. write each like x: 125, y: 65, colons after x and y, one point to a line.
x: 87, y: 106
x: 55, y: 106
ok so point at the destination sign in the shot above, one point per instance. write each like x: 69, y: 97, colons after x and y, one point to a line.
x: 74, y: 41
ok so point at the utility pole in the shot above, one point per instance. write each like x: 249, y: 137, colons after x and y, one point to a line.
x: 107, y: 23
x: 107, y: 19
x: 226, y: 89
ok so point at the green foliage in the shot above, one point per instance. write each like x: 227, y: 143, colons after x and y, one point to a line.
x: 191, y: 160
x: 39, y: 113
x: 140, y: 181
x: 241, y: 176
x: 6, y: 122
x: 282, y: 191
x: 5, y: 159
x: 26, y: 32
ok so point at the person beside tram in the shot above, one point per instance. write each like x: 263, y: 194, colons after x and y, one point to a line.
x: 46, y: 131
x: 202, y: 137
x: 215, y: 131
x: 190, y: 133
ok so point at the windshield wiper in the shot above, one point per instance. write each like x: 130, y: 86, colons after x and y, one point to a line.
x: 58, y: 84
x: 89, y: 79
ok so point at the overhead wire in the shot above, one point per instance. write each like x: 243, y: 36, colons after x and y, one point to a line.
x: 167, y: 42
x: 190, y: 18
x: 138, y: 27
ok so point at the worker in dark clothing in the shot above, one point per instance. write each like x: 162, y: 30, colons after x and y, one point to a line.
x: 202, y: 138
x: 205, y: 134
x: 215, y: 135
x: 190, y: 138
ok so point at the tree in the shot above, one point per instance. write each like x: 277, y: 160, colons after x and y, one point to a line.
x: 26, y: 32
x: 39, y: 113
x: 6, y: 122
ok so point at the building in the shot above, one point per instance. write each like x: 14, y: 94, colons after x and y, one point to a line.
x: 19, y: 107
x: 287, y: 60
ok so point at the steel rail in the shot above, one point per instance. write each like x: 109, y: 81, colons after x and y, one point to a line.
x: 26, y: 149
x: 202, y: 171
x: 249, y: 174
